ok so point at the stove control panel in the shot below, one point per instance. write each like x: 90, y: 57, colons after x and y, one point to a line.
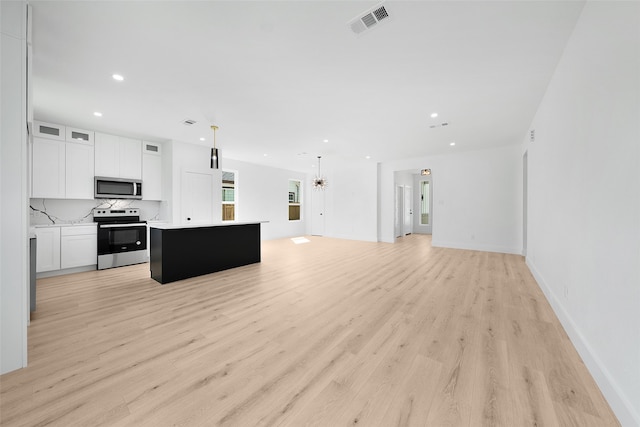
x: 105, y: 212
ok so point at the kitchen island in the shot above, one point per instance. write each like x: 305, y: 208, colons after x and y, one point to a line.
x: 181, y: 251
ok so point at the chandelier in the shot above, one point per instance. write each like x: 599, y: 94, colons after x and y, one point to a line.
x: 319, y: 182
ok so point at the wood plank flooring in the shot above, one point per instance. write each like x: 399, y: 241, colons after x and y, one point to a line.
x: 326, y: 333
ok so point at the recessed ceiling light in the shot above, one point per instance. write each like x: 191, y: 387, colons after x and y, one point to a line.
x: 201, y: 139
x: 367, y: 157
x: 452, y: 144
x: 265, y: 154
x: 118, y: 77
x: 97, y: 114
x: 434, y: 115
x: 326, y: 140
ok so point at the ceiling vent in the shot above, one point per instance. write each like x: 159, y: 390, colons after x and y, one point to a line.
x: 369, y: 18
x: 188, y: 122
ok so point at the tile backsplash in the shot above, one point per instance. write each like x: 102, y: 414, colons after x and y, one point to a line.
x: 64, y: 211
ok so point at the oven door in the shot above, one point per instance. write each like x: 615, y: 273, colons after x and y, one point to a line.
x: 116, y: 238
x: 121, y: 244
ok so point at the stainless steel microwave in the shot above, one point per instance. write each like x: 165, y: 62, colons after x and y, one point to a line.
x: 117, y: 188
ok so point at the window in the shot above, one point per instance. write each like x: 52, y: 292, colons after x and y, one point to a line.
x: 424, y: 202
x: 295, y: 197
x: 229, y: 195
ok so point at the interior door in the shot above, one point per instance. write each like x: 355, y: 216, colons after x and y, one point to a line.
x: 408, y: 210
x: 197, y: 197
x: 399, y: 216
x: 317, y: 212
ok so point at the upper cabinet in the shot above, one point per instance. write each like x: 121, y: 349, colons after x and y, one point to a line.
x: 49, y: 131
x: 79, y: 170
x: 118, y: 157
x: 49, y: 168
x: 151, y: 171
x: 66, y: 160
x: 62, y: 168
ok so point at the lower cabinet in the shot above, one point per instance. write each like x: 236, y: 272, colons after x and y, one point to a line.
x: 47, y: 249
x: 66, y: 247
x: 78, y: 246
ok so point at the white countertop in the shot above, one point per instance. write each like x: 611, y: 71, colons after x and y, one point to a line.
x: 171, y: 226
x: 75, y: 224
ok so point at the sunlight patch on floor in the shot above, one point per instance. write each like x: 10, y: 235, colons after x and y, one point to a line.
x: 300, y: 240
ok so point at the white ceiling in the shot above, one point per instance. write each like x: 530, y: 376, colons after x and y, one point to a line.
x: 279, y: 77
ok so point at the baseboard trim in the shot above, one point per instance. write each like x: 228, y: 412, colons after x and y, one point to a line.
x: 621, y: 406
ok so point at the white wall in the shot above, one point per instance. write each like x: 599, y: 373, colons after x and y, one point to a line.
x: 350, y: 199
x: 263, y: 195
x: 187, y: 157
x: 13, y: 183
x: 584, y: 198
x: 476, y: 204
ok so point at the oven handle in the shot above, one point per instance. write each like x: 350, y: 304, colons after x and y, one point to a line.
x: 122, y: 225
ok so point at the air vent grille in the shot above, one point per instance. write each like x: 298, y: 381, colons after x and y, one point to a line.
x: 188, y: 122
x: 381, y: 13
x: 369, y: 19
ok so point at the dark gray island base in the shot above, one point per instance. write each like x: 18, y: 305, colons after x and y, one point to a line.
x: 182, y: 252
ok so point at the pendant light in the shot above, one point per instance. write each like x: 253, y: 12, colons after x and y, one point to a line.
x: 319, y: 182
x: 215, y: 164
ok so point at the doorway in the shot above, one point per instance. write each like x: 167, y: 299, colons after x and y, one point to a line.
x: 408, y: 211
x: 403, y: 210
x: 317, y: 212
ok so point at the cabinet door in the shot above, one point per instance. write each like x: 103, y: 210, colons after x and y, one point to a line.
x: 47, y: 249
x: 48, y: 173
x: 79, y: 171
x: 107, y: 155
x: 151, y: 177
x: 79, y: 250
x: 76, y: 135
x: 131, y: 159
x: 49, y: 131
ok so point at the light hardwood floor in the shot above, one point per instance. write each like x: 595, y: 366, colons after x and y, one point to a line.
x: 326, y: 333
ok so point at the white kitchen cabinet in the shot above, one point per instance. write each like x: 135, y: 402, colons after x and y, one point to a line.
x: 78, y: 246
x: 48, y: 168
x: 47, y: 249
x: 79, y: 169
x: 61, y: 169
x: 79, y: 135
x: 151, y: 171
x: 118, y: 157
x: 130, y: 158
x: 49, y: 131
x: 107, y: 155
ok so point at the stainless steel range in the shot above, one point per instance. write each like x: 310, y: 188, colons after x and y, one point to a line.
x: 122, y: 237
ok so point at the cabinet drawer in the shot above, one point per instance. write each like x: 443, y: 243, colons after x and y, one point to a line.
x: 78, y: 230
